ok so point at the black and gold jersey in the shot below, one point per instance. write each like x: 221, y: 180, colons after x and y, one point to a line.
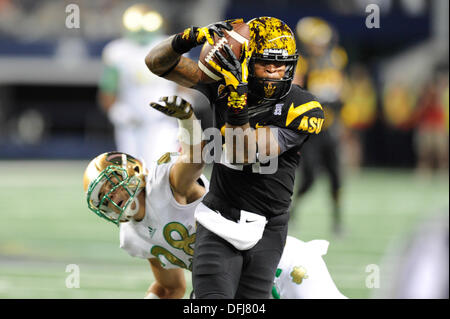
x: 245, y: 187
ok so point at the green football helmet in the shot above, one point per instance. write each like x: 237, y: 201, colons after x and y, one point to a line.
x: 112, y: 183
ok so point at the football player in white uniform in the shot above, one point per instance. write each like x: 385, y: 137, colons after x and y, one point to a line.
x: 303, y: 274
x: 126, y: 86
x: 154, y: 209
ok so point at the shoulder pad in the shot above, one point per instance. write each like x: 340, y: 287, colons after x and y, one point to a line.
x: 164, y: 159
x: 167, y: 158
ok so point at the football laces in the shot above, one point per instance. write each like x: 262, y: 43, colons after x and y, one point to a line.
x: 219, y: 45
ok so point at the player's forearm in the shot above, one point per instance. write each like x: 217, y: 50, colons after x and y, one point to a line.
x: 157, y: 291
x: 163, y: 61
x: 261, y: 141
x: 191, y: 140
x: 186, y: 73
x: 268, y: 146
x: 192, y: 154
x: 190, y: 135
x: 162, y: 57
x: 241, y: 141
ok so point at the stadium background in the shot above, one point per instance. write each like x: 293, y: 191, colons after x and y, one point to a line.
x: 51, y: 125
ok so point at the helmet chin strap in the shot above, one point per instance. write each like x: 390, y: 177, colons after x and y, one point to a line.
x: 129, y: 212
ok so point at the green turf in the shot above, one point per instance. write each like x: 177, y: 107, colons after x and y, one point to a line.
x: 46, y: 226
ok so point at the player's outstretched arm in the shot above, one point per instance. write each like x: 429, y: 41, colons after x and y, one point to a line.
x: 168, y: 284
x: 189, y: 166
x: 166, y: 60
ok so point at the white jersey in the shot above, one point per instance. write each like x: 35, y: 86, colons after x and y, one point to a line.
x: 137, y: 85
x: 303, y: 274
x: 167, y: 231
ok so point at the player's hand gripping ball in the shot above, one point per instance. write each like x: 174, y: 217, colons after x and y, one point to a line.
x: 194, y: 36
x: 234, y: 38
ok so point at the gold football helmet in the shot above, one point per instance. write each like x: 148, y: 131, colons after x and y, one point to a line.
x: 112, y: 181
x: 271, y: 40
x: 314, y: 31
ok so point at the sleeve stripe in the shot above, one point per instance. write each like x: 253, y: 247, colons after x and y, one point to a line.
x: 295, y: 112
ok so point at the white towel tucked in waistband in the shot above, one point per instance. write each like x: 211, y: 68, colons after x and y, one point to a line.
x: 243, y: 235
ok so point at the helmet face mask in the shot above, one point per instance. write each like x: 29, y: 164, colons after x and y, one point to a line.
x: 112, y: 190
x: 271, y: 41
x: 271, y: 89
x: 111, y: 181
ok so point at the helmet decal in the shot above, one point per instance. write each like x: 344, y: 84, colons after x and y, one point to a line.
x: 267, y: 33
x: 269, y: 89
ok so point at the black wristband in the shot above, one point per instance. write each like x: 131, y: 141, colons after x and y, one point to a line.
x: 237, y: 117
x: 180, y: 45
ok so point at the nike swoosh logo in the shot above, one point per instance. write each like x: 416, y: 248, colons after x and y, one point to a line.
x: 258, y: 126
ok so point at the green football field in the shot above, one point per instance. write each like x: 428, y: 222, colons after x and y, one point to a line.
x: 46, y: 229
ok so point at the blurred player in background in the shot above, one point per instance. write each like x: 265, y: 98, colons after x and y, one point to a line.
x: 431, y: 121
x: 320, y: 71
x: 154, y: 209
x: 358, y: 113
x: 126, y: 86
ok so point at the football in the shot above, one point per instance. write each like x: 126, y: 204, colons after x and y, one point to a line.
x: 234, y: 38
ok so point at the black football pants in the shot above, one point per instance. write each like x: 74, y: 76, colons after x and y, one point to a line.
x: 220, y: 271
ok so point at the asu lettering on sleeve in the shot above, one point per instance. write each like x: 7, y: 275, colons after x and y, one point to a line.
x: 309, y: 115
x: 311, y: 125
